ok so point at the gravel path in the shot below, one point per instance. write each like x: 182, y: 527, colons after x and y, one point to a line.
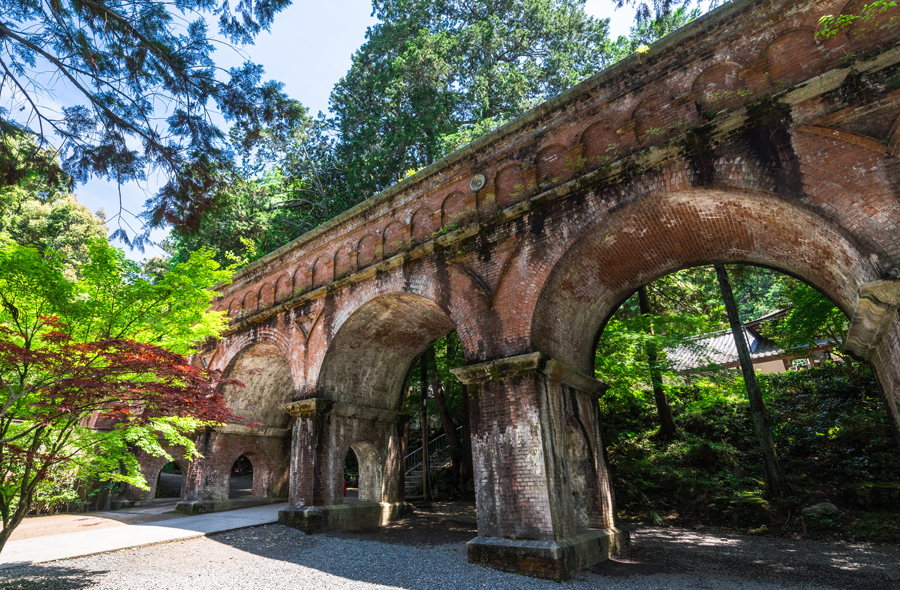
x: 425, y: 553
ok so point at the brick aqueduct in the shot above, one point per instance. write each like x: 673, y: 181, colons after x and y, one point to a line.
x: 741, y: 138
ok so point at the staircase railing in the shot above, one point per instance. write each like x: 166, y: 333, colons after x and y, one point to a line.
x: 436, y: 446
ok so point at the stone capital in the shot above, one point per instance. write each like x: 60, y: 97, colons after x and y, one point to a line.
x: 316, y: 406
x: 309, y: 407
x: 877, y: 307
x: 534, y: 362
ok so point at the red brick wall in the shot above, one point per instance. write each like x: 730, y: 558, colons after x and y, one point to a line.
x: 746, y: 141
x: 209, y: 476
x: 321, y: 439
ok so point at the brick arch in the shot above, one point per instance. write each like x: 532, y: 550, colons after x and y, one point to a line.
x: 601, y: 144
x: 552, y: 168
x: 232, y: 309
x: 250, y: 302
x: 283, y: 288
x: 660, y: 117
x: 235, y: 344
x: 371, y: 469
x: 302, y: 277
x: 424, y: 224
x: 378, y: 328
x: 795, y: 56
x: 322, y: 270
x: 263, y: 466
x: 393, y: 241
x: 370, y: 354
x: 671, y: 231
x: 344, y: 261
x: 151, y: 465
x: 266, y: 295
x: 268, y: 382
x: 720, y: 88
x: 512, y: 184
x: 454, y: 210
x: 367, y: 253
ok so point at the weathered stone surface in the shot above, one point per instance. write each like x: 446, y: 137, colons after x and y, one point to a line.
x: 556, y: 560
x: 822, y: 509
x: 875, y: 312
x: 193, y: 507
x: 343, y: 517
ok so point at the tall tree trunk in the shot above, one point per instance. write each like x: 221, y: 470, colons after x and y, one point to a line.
x: 465, y: 468
x: 423, y: 389
x: 437, y: 388
x: 777, y: 485
x: 667, y: 428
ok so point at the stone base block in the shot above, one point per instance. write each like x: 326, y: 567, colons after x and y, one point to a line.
x: 556, y: 560
x: 192, y: 507
x: 125, y: 503
x: 342, y: 517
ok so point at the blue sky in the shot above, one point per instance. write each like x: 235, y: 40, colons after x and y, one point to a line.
x: 309, y: 49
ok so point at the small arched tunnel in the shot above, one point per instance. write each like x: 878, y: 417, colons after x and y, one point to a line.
x: 170, y: 481
x: 240, y: 480
x: 268, y: 385
x: 363, y: 473
x: 370, y: 356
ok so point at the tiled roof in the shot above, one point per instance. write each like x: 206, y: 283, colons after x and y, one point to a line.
x: 717, y: 348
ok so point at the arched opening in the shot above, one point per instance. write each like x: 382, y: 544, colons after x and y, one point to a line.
x: 670, y: 351
x: 369, y: 358
x: 170, y: 481
x: 365, y: 369
x: 662, y: 234
x: 266, y: 375
x: 240, y: 482
x: 437, y: 407
x: 363, y: 473
x: 351, y: 477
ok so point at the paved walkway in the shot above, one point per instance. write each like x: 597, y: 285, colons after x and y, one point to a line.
x: 51, y: 548
x: 59, y: 524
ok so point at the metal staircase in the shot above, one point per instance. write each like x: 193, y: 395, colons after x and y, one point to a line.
x: 438, y: 456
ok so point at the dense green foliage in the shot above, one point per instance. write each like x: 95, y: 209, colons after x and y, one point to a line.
x: 448, y: 353
x: 141, y: 81
x: 36, y: 207
x: 288, y: 183
x: 828, y: 423
x: 831, y: 428
x: 429, y: 68
x: 687, y: 303
x: 83, y: 330
x: 108, y: 342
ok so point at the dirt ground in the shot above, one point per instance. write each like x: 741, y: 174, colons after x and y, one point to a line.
x: 60, y: 524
